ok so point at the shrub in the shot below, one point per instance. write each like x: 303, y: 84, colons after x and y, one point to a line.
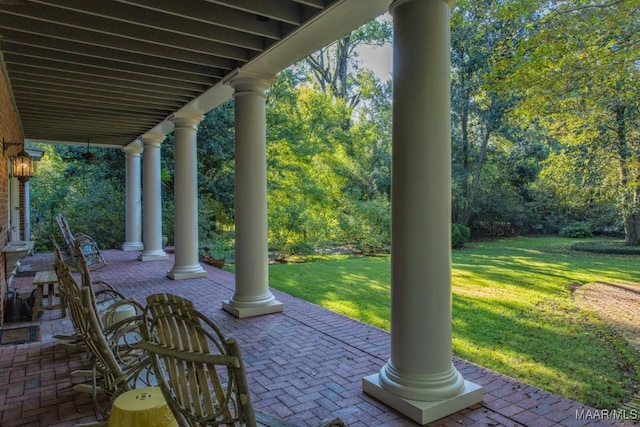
x: 577, y: 230
x: 460, y: 235
x: 606, y: 247
x: 366, y: 225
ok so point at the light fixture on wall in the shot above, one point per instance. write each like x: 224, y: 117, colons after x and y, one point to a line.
x: 22, y: 165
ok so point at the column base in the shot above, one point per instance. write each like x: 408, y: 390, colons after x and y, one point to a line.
x: 132, y: 246
x: 191, y: 272
x: 153, y: 255
x: 270, y: 307
x: 423, y: 412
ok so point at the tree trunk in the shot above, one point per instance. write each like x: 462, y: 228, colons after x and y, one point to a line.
x: 631, y: 214
x: 632, y: 228
x: 464, y: 215
x: 474, y: 186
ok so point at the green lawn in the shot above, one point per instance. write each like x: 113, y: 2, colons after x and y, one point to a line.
x: 513, y: 311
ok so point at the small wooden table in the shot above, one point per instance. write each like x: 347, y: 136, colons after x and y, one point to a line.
x: 50, y: 279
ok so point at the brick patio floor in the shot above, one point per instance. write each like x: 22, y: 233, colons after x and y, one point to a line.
x: 303, y: 365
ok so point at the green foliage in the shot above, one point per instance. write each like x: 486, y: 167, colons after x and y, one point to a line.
x: 85, y: 193
x: 460, y: 235
x: 577, y: 74
x: 599, y: 246
x: 327, y: 184
x: 366, y: 224
x: 219, y: 248
x: 577, y: 230
x: 336, y: 71
x: 483, y: 35
x: 216, y: 135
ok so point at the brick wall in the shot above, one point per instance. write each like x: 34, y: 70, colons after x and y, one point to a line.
x: 9, y: 131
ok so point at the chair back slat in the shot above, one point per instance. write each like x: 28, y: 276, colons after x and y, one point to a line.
x: 200, y: 371
x: 88, y: 246
x: 70, y: 290
x: 122, y: 365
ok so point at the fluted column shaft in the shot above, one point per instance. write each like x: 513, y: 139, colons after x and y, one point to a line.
x: 252, y: 295
x: 419, y: 379
x: 26, y: 187
x: 187, y: 265
x: 14, y: 209
x: 133, y: 219
x: 152, y: 200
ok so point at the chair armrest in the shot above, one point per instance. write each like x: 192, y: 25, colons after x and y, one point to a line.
x: 190, y: 356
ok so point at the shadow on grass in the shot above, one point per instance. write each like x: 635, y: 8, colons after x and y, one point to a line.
x: 545, y: 344
x: 512, y: 311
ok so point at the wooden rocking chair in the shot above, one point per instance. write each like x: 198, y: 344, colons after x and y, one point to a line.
x: 103, y: 294
x: 200, y: 372
x: 102, y: 318
x: 118, y: 363
x: 88, y: 245
x: 111, y: 341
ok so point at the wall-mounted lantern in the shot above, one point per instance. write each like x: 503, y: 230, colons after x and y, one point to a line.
x: 22, y: 165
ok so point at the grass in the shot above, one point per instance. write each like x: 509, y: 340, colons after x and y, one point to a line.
x: 513, y: 311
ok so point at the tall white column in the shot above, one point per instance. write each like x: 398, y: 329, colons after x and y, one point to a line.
x: 133, y: 230
x: 27, y: 210
x: 419, y: 379
x: 252, y: 296
x: 187, y: 265
x: 152, y: 200
x: 14, y: 209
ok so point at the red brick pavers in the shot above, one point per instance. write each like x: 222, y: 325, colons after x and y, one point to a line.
x: 304, y: 365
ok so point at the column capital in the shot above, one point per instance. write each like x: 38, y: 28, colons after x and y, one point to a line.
x: 397, y: 3
x: 246, y: 82
x: 187, y: 121
x: 133, y: 148
x: 152, y: 139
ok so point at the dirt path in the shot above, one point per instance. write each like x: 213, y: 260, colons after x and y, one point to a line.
x: 617, y: 304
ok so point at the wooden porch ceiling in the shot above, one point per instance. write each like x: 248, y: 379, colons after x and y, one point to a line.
x: 109, y: 71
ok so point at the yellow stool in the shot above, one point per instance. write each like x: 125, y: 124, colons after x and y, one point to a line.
x: 141, y: 407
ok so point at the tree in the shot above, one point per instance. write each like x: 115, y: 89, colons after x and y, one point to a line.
x: 335, y: 69
x: 216, y: 149
x: 84, y: 192
x: 304, y: 151
x: 327, y: 183
x: 483, y: 39
x: 578, y: 73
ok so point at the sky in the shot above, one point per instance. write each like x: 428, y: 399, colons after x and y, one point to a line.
x: 378, y: 59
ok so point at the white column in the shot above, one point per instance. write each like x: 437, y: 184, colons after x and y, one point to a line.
x: 133, y: 231
x: 14, y: 209
x: 187, y: 265
x: 27, y: 210
x: 152, y: 200
x: 252, y: 296
x: 419, y: 380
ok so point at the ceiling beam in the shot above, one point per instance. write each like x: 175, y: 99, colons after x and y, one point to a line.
x: 211, y: 13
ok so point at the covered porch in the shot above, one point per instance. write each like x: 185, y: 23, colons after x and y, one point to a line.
x: 304, y: 364
x: 126, y: 74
